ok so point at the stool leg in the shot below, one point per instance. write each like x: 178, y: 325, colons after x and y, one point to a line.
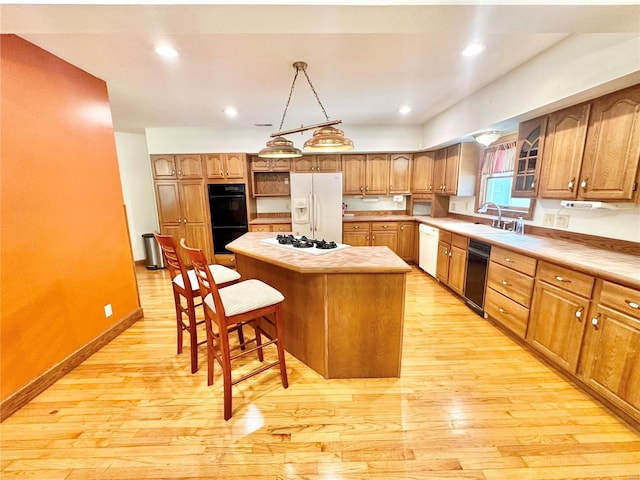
x: 226, y: 373
x: 176, y: 300
x: 193, y: 331
x: 279, y: 332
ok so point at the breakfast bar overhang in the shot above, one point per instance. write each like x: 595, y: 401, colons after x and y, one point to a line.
x: 343, y: 311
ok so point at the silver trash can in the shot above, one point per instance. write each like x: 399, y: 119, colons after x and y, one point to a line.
x: 153, y: 253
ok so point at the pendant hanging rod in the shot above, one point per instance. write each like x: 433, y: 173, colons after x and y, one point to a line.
x: 304, y: 129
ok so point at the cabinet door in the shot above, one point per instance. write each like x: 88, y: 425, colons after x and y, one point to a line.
x: 400, y: 173
x: 260, y: 164
x: 234, y: 166
x: 328, y: 163
x: 280, y: 164
x: 353, y: 167
x: 215, y: 166
x: 163, y: 166
x: 457, y: 269
x: 195, y: 216
x: 611, y: 357
x: 356, y: 239
x: 422, y: 177
x: 377, y: 174
x: 406, y: 240
x: 442, y: 262
x: 168, y: 201
x: 557, y: 324
x: 385, y: 239
x: 612, y: 150
x: 304, y: 164
x: 189, y: 167
x: 439, y: 170
x: 529, y: 146
x: 260, y: 228
x: 452, y: 170
x: 563, y: 150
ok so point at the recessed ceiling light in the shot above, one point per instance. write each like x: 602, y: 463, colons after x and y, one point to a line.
x: 166, y: 51
x: 473, y: 49
x: 404, y: 110
x: 230, y: 112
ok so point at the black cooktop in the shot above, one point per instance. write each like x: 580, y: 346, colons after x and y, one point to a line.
x: 304, y: 242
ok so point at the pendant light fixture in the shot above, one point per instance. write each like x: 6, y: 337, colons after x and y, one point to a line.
x: 326, y: 138
x: 487, y: 138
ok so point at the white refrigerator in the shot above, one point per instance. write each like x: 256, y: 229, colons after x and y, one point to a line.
x: 316, y: 205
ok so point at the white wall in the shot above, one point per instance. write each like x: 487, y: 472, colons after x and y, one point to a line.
x: 137, y: 188
x: 620, y: 224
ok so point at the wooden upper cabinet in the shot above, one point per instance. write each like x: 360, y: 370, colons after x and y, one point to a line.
x: 316, y: 163
x: 163, y: 167
x: 226, y: 166
x: 259, y: 164
x: 422, y: 176
x: 563, y: 150
x: 439, y: 170
x: 529, y: 148
x: 451, y: 171
x: 612, y: 150
x: 353, y: 171
x: 377, y: 174
x: 400, y: 173
x: 189, y: 167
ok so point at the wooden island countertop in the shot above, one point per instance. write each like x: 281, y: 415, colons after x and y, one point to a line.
x: 343, y: 311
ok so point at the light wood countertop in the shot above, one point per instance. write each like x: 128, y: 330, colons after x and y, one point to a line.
x: 350, y: 260
x: 617, y: 267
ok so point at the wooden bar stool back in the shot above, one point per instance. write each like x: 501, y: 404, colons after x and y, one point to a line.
x: 249, y: 302
x: 186, y: 292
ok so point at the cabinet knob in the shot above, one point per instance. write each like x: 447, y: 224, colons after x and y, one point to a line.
x: 227, y: 173
x: 385, y: 226
x: 583, y: 184
x: 533, y: 185
x: 449, y: 252
x: 180, y: 172
x: 356, y: 227
x: 430, y: 187
x: 503, y: 311
x: 173, y: 172
x: 508, y: 260
x: 570, y: 184
x: 221, y: 173
x: 594, y: 320
x: 562, y: 280
x: 184, y: 220
x: 373, y: 237
x: 505, y: 283
x: 446, y: 252
x: 360, y: 188
x: 366, y: 188
x: 579, y: 313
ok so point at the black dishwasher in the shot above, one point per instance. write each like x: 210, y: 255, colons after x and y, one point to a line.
x: 477, y: 266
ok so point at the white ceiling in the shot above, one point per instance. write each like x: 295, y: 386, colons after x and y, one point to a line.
x: 365, y: 61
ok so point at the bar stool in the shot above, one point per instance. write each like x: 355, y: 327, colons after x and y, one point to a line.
x: 248, y: 302
x: 189, y: 291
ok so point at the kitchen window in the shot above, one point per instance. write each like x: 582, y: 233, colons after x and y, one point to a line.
x: 496, y: 181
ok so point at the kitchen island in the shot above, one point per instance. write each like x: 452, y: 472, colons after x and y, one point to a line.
x: 343, y: 311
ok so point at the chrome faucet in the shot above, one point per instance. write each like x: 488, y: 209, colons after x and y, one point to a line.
x: 483, y: 209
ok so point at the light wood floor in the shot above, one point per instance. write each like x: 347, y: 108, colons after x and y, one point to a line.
x: 471, y: 404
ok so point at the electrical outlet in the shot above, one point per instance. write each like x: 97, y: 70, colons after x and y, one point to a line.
x: 562, y: 221
x: 548, y: 219
x: 108, y: 311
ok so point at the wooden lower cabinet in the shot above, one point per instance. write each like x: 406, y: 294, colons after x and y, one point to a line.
x: 559, y: 313
x: 610, y: 357
x: 406, y: 241
x: 271, y: 227
x: 509, y: 289
x: 375, y: 234
x: 451, y: 262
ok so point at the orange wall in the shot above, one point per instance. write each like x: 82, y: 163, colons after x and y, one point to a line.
x: 64, y: 247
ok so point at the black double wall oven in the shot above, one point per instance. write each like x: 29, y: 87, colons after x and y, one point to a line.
x: 228, y: 207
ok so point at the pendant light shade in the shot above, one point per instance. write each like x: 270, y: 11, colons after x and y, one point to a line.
x: 280, y: 147
x: 328, y: 139
x: 325, y: 139
x: 487, y: 138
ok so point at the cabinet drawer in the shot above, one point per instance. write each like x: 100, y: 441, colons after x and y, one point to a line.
x: 281, y: 227
x: 514, y: 285
x: 622, y: 299
x: 355, y: 226
x: 445, y: 236
x: 513, y: 260
x: 260, y: 228
x: 507, y: 312
x: 384, y: 226
x: 459, y: 241
x: 575, y: 282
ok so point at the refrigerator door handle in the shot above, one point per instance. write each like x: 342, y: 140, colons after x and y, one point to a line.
x: 315, y: 214
x: 312, y: 213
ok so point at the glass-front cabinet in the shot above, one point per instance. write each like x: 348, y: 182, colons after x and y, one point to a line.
x: 528, y: 157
